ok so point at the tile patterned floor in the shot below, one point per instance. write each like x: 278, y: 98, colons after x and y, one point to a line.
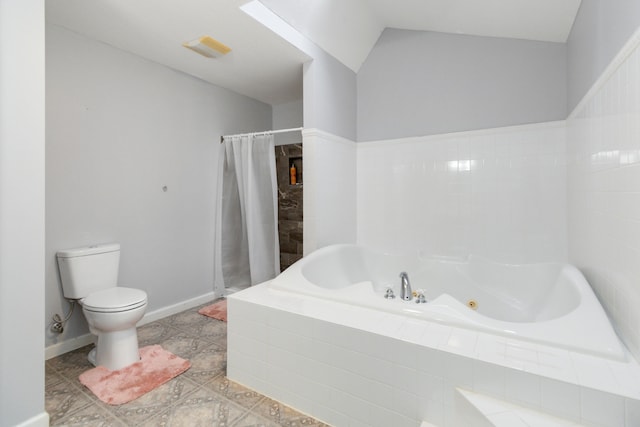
x: 202, y: 396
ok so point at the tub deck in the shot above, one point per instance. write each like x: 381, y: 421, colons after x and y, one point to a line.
x: 551, y: 304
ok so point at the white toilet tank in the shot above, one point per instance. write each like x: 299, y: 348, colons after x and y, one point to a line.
x: 88, y: 269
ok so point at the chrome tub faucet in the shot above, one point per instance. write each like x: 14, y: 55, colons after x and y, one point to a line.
x: 405, y: 287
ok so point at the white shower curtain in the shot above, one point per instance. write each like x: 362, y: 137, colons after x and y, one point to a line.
x: 247, y: 248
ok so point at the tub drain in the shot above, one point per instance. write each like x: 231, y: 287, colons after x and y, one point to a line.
x: 472, y: 304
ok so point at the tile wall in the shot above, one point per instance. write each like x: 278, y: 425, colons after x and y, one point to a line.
x: 329, y: 189
x: 603, y: 172
x: 348, y: 365
x: 290, y: 218
x: 498, y: 193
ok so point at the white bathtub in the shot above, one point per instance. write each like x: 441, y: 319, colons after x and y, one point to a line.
x: 545, y: 303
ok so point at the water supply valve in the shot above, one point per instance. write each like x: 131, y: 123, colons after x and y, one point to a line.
x: 57, y: 322
x: 57, y: 325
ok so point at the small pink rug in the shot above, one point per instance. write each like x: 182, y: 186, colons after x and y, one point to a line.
x: 156, y: 367
x: 216, y: 310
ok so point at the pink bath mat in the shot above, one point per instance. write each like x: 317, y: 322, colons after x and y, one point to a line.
x: 216, y: 310
x: 156, y: 367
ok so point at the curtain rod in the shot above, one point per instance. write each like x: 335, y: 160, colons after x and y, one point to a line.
x: 268, y: 132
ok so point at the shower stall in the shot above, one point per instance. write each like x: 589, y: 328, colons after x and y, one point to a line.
x: 247, y: 244
x: 290, y: 193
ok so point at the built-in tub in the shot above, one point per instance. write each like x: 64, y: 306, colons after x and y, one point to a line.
x: 546, y: 303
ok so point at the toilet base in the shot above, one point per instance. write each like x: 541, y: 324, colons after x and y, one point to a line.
x: 91, y: 357
x: 116, y: 350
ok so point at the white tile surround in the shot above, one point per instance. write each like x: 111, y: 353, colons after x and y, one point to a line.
x: 329, y: 199
x: 603, y: 172
x: 498, y: 193
x: 486, y: 411
x: 351, y: 366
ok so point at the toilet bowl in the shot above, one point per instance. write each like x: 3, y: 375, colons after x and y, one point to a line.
x: 112, y: 315
x: 89, y: 276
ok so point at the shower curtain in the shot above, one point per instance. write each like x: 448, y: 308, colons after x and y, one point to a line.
x: 247, y: 248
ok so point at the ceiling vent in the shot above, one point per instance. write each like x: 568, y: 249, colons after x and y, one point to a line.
x: 208, y: 46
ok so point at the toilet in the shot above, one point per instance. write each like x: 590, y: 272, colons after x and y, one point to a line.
x: 90, y: 276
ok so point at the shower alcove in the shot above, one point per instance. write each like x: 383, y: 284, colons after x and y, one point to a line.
x: 290, y: 218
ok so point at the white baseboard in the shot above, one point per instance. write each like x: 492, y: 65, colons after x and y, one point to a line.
x: 176, y: 308
x: 66, y: 346
x: 40, y: 420
x: 77, y: 342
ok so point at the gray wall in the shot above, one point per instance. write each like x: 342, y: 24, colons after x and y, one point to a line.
x: 329, y: 155
x: 288, y: 116
x: 22, y: 152
x: 418, y: 83
x: 600, y: 30
x: 119, y: 128
x: 330, y: 96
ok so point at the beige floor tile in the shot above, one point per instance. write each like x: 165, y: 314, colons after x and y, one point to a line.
x: 252, y: 420
x: 202, y: 396
x: 207, y: 364
x: 155, y: 402
x: 156, y: 332
x: 211, y: 330
x: 73, y: 363
x: 92, y: 416
x: 62, y: 399
x: 184, y: 344
x: 202, y: 408
x: 234, y: 392
x: 186, y: 320
x: 283, y: 415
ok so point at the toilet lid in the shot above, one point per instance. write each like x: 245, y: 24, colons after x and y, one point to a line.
x: 115, y: 299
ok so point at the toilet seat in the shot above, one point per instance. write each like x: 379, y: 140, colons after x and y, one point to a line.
x: 115, y: 300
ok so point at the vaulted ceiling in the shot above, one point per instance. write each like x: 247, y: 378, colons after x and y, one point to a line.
x: 266, y: 67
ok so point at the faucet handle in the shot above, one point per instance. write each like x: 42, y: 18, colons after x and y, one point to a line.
x: 389, y: 294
